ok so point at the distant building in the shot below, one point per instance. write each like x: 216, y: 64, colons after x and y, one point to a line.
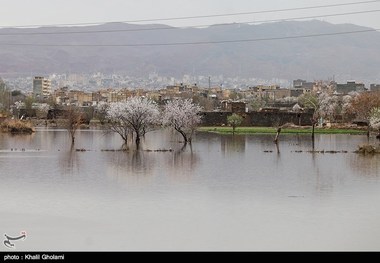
x: 349, y: 87
x: 263, y: 88
x: 303, y: 84
x: 234, y: 106
x: 296, y: 92
x: 374, y: 87
x: 41, y: 87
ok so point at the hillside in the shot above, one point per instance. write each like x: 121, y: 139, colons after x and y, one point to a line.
x: 349, y: 56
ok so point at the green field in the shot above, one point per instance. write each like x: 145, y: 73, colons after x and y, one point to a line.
x: 272, y: 130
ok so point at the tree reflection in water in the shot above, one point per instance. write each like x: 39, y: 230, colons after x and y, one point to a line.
x: 69, y: 162
x: 367, y: 165
x: 232, y: 144
x: 130, y: 167
x: 183, y: 161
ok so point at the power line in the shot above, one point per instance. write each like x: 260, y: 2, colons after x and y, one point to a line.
x: 171, y: 28
x: 193, y: 43
x: 201, y: 16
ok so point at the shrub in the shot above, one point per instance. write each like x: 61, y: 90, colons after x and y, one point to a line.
x: 17, y: 126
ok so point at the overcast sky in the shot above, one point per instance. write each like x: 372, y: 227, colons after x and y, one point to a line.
x: 46, y: 12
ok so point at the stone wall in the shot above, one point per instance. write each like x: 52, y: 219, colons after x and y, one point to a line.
x: 264, y: 119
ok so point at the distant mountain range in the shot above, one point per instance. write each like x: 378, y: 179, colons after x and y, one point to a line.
x: 345, y: 56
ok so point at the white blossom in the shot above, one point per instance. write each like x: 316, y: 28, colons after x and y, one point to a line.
x: 183, y: 116
x: 374, y: 118
x: 329, y: 106
x: 43, y: 107
x: 353, y: 94
x: 101, y: 111
x: 137, y: 115
x: 347, y: 101
x: 19, y: 105
x: 102, y: 106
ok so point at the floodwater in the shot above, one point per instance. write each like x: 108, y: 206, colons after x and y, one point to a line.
x: 222, y: 193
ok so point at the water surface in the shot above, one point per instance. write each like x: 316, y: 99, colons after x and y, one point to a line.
x: 222, y: 193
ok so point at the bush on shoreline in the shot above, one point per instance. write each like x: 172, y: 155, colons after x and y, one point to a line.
x: 17, y: 126
x: 368, y: 149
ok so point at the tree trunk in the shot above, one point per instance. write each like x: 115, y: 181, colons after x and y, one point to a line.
x: 186, y: 140
x: 72, y: 139
x: 278, y: 149
x: 233, y: 130
x: 368, y: 130
x: 137, y: 140
x: 277, y: 135
x: 312, y: 132
x: 125, y: 145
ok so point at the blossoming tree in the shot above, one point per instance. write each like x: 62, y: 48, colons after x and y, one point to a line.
x: 363, y: 104
x: 183, y: 116
x: 329, y: 106
x: 101, y: 111
x: 374, y: 120
x: 137, y: 115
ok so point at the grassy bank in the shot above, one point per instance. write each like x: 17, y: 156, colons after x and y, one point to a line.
x: 17, y: 127
x: 272, y: 130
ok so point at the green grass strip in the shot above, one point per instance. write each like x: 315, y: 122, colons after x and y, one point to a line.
x: 272, y: 130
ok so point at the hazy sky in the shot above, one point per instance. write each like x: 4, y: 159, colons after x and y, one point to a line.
x: 45, y: 12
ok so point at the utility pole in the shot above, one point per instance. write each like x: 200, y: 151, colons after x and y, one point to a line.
x: 209, y: 82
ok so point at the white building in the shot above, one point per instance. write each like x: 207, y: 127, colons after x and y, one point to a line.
x: 41, y: 87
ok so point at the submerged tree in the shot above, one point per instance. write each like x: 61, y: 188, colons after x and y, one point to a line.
x: 310, y: 101
x: 136, y: 115
x: 73, y: 120
x: 117, y: 121
x: 183, y: 116
x: 234, y: 120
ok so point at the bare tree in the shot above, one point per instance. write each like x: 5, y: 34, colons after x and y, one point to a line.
x: 136, y: 115
x: 73, y: 119
x: 310, y: 101
x: 183, y: 116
